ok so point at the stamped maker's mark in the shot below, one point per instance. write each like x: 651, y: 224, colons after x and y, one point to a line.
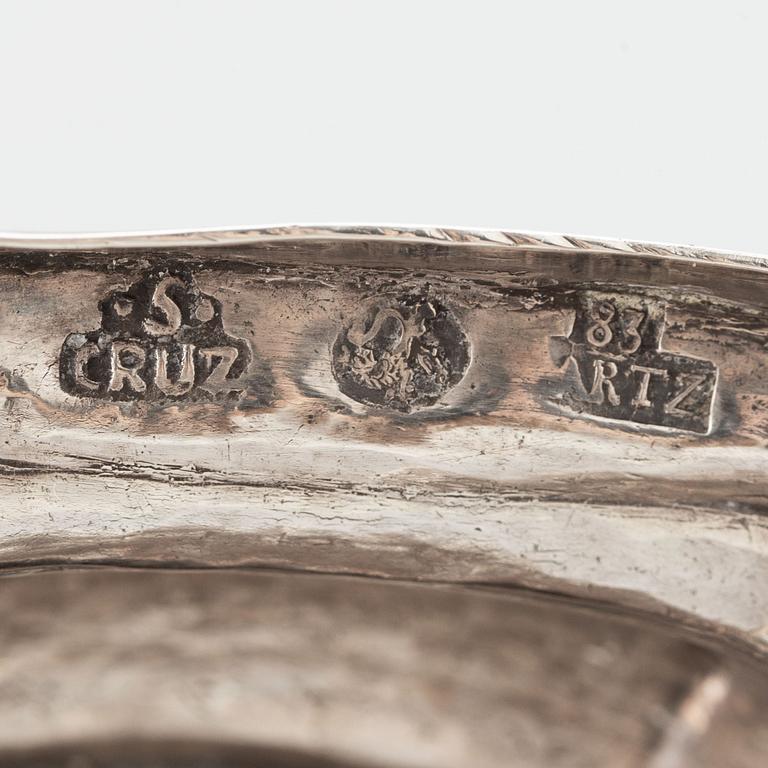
x: 402, y: 354
x: 160, y: 339
x: 615, y: 346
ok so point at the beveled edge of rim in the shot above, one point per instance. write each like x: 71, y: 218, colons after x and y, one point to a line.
x: 514, y: 241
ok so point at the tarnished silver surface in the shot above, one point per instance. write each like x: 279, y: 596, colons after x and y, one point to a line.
x: 554, y: 414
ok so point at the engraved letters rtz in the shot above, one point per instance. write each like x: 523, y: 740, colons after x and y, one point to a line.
x: 402, y: 354
x: 162, y: 339
x: 615, y: 347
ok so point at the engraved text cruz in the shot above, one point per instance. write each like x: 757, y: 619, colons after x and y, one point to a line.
x: 162, y: 338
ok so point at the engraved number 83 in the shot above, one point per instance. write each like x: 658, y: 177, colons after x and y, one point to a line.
x: 599, y: 334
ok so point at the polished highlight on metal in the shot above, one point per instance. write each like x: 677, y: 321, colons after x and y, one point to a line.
x: 382, y: 497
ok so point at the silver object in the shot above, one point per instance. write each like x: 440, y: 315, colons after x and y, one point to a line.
x: 512, y: 489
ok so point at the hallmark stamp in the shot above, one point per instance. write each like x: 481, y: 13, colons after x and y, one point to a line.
x: 160, y: 339
x: 615, y: 347
x: 403, y: 354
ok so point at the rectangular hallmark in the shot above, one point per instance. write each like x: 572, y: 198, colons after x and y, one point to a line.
x: 615, y: 347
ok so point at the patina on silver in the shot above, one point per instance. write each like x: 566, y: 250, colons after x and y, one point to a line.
x: 510, y: 490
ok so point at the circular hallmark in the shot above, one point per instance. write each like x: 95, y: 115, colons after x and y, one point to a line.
x: 403, y: 354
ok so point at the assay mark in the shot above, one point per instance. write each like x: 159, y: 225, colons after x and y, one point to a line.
x: 615, y: 347
x: 401, y: 354
x: 160, y: 339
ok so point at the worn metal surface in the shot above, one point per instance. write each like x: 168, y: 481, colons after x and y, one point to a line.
x: 362, y: 672
x: 582, y: 417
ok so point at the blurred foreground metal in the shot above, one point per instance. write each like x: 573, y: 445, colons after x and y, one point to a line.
x: 511, y: 490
